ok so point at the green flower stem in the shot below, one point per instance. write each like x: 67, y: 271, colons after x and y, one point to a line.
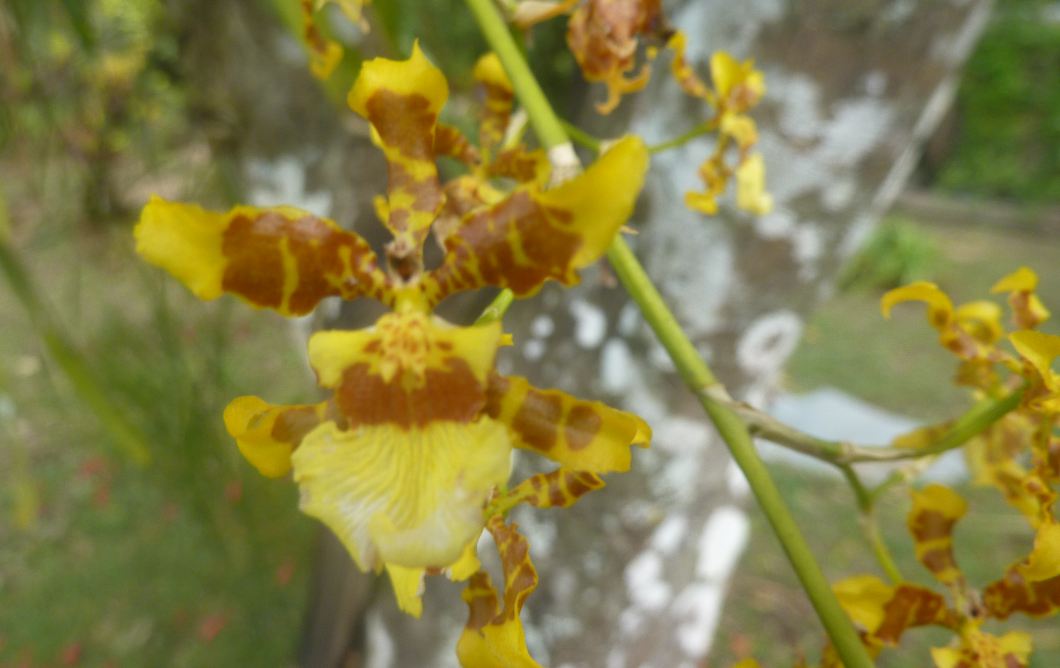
x: 497, y: 308
x: 701, y: 381
x: 582, y: 137
x: 693, y: 369
x: 869, y: 526
x: 839, y: 453
x: 681, y: 140
x: 126, y: 436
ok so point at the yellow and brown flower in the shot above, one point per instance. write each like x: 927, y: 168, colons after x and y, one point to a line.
x: 409, y: 457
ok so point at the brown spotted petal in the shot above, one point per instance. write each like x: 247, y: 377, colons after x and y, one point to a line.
x: 402, y: 100
x: 557, y: 489
x: 983, y: 650
x: 498, y: 102
x: 884, y: 612
x: 451, y: 142
x: 267, y: 434
x: 493, y: 636
x: 581, y: 435
x: 532, y: 236
x: 280, y: 258
x: 1015, y: 592
x: 936, y: 509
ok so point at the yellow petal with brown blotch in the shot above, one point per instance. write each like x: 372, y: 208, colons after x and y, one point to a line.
x: 267, y: 434
x: 580, y: 435
x: 884, y: 612
x: 402, y: 100
x: 493, y: 636
x: 409, y: 370
x: 739, y: 86
x: 497, y: 105
x: 556, y: 489
x: 984, y: 650
x: 532, y: 236
x: 1027, y: 309
x: 936, y: 509
x: 280, y: 257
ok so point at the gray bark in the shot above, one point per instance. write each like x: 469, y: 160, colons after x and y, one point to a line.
x: 635, y: 574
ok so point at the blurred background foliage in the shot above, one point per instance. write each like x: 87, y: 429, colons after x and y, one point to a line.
x: 184, y: 556
x: 1007, y: 119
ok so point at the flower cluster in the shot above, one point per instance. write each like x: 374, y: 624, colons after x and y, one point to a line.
x: 409, y: 458
x: 737, y: 87
x: 1019, y: 455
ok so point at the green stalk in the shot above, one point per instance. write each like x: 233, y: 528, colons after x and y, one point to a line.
x: 543, y: 118
x: 497, y: 308
x: 693, y: 369
x: 699, y: 378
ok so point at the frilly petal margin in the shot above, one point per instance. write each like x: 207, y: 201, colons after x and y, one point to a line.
x: 493, y: 635
x: 411, y: 498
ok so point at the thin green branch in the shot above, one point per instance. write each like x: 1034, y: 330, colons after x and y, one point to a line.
x: 967, y: 426
x: 682, y: 139
x: 497, y: 308
x: 869, y: 526
x: 690, y: 365
x: 700, y: 379
x: 581, y: 137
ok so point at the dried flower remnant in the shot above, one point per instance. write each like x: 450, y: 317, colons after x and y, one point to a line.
x: 737, y: 88
x: 409, y: 458
x: 605, y: 37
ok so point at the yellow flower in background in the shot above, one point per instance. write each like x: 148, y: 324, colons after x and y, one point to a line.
x: 884, y: 612
x: 737, y: 87
x: 751, y: 192
x: 410, y: 456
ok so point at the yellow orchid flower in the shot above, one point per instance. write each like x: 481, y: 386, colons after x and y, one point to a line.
x: 1027, y: 310
x: 410, y: 456
x: 737, y: 87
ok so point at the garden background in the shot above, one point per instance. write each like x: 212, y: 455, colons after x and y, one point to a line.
x: 107, y: 560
